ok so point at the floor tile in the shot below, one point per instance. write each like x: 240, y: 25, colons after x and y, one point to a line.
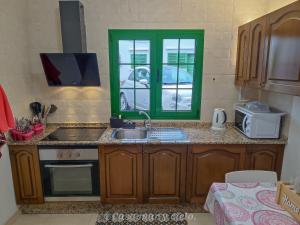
x: 200, y: 219
x: 90, y: 219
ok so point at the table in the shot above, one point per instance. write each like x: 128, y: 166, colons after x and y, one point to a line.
x: 245, y: 204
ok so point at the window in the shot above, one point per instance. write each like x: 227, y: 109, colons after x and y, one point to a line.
x: 139, y: 58
x: 158, y: 71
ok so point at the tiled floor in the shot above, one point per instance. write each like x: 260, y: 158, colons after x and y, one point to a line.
x: 90, y: 219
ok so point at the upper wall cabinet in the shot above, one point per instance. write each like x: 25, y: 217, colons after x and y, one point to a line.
x: 242, y: 54
x: 283, y: 52
x: 250, y: 60
x: 256, y: 52
x: 272, y: 52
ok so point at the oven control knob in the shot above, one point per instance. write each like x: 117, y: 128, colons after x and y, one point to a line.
x: 78, y: 154
x: 70, y: 155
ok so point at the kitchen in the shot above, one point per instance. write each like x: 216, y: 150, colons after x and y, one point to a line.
x: 27, y: 32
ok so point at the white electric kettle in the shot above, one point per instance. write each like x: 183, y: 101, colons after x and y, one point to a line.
x: 219, y: 119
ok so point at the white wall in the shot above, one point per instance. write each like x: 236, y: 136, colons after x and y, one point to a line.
x: 14, y: 75
x: 291, y: 164
x: 219, y: 19
x: 291, y: 129
x: 7, y: 196
x: 15, y: 79
x: 291, y: 105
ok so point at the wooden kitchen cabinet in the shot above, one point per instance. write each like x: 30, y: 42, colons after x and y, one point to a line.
x: 250, y: 65
x: 265, y: 157
x: 121, y: 173
x: 242, y: 55
x: 256, y: 61
x: 268, y: 52
x: 26, y: 174
x: 164, y: 173
x: 209, y: 163
x: 283, y: 52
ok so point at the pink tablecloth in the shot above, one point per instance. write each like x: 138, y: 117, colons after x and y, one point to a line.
x: 245, y: 204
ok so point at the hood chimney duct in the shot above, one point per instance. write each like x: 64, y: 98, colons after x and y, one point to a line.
x: 72, y: 27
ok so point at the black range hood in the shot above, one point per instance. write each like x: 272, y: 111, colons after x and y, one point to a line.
x: 73, y: 67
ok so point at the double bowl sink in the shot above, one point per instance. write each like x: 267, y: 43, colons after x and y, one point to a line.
x: 160, y: 134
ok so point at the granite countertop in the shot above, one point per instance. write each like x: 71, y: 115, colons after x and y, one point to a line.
x: 198, y: 133
x: 37, y: 140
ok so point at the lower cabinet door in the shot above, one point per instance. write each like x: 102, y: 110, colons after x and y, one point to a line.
x: 121, y: 174
x: 208, y: 164
x: 26, y: 174
x: 164, y: 173
x: 265, y: 157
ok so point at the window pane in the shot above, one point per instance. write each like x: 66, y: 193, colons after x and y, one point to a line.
x: 142, y: 52
x: 185, y: 76
x: 126, y: 99
x: 184, y: 100
x: 142, y: 76
x: 187, y: 51
x: 126, y: 51
x: 168, y: 99
x: 126, y: 76
x: 140, y: 58
x: 169, y: 76
x: 142, y: 99
x: 170, y: 51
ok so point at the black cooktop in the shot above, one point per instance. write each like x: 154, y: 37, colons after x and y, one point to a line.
x: 75, y: 134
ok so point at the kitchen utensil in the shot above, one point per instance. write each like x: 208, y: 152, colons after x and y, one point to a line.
x: 33, y: 107
x: 43, y: 111
x: 44, y: 118
x: 53, y: 109
x: 36, y: 108
x: 219, y: 119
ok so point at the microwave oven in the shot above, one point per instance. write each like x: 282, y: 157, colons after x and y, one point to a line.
x: 258, y: 124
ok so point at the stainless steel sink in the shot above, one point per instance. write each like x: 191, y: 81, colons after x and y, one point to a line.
x: 130, y: 134
x: 169, y: 134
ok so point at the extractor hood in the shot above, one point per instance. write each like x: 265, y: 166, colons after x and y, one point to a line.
x: 73, y: 67
x: 72, y: 26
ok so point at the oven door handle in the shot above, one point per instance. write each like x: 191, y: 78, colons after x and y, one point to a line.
x: 69, y: 166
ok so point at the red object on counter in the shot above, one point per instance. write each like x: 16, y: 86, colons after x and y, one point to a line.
x: 6, y: 116
x: 27, y: 136
x: 38, y: 128
x: 20, y: 136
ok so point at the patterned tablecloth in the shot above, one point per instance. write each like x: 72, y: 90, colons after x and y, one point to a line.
x: 245, y: 204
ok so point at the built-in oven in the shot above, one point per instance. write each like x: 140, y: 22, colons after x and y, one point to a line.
x: 71, y: 171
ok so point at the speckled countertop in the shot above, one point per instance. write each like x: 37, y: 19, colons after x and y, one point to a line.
x: 198, y: 133
x: 37, y: 140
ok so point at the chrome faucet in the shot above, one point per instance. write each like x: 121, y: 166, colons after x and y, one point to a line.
x: 147, y: 122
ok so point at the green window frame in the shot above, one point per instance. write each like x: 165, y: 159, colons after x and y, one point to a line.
x: 156, y: 38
